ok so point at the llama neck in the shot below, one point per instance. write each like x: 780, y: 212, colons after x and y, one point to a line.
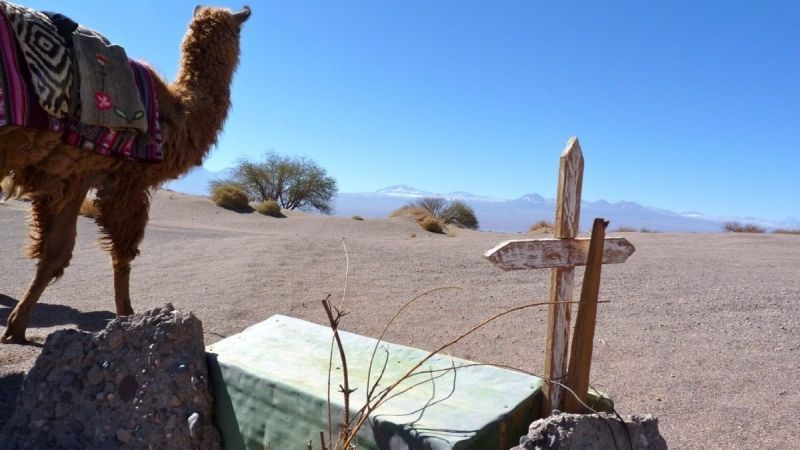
x: 199, y: 98
x: 202, y: 88
x: 205, y: 97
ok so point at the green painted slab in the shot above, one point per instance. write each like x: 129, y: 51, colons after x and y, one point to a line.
x: 270, y: 387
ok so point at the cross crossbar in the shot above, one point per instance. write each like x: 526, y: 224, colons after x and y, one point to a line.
x: 549, y: 253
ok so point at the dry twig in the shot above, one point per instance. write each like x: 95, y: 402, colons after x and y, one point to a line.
x: 371, y: 389
x: 365, y: 412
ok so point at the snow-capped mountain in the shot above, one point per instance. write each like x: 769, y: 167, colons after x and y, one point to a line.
x: 535, y: 198
x: 790, y: 222
x: 402, y: 190
x: 197, y: 180
x: 466, y: 196
x: 519, y: 214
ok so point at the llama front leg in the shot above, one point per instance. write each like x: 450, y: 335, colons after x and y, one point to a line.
x: 122, y: 279
x: 54, y: 238
x: 123, y: 217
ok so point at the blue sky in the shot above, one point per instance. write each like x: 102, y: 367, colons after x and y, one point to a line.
x: 684, y: 105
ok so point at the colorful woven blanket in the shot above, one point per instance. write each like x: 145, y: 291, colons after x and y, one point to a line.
x: 23, y: 104
x: 46, y: 55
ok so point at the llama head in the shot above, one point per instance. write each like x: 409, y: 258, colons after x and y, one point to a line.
x: 214, y: 35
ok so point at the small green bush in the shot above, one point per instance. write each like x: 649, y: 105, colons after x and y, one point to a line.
x: 230, y: 197
x: 270, y: 208
x: 460, y: 215
x: 431, y: 224
x: 446, y: 212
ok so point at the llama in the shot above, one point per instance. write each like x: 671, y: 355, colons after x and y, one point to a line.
x: 57, y: 176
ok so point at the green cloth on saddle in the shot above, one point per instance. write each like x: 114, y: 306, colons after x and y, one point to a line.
x: 109, y: 97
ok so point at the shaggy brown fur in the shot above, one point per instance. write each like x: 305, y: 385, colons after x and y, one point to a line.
x: 57, y: 177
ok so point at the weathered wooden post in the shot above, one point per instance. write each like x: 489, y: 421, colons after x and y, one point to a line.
x: 580, y: 354
x: 561, y: 254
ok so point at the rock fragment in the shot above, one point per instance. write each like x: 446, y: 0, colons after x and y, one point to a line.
x: 593, y: 431
x: 96, y: 390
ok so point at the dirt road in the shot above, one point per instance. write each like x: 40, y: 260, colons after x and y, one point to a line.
x: 702, y: 330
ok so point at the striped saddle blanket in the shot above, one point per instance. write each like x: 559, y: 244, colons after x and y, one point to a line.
x: 41, y: 87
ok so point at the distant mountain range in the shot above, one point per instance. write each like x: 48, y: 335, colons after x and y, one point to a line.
x: 197, y: 180
x: 507, y: 215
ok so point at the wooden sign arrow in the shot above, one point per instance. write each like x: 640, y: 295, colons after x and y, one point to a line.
x: 549, y: 253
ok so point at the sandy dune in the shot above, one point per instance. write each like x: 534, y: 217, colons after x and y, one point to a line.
x: 702, y: 330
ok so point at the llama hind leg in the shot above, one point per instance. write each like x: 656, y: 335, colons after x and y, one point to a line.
x: 53, y: 247
x: 123, y: 217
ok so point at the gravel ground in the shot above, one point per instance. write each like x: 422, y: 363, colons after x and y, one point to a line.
x: 701, y: 330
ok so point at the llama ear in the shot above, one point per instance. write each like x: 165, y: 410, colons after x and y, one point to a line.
x: 242, y: 15
x: 196, y: 10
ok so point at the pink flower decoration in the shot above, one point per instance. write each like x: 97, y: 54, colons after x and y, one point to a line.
x: 103, y: 101
x: 101, y: 58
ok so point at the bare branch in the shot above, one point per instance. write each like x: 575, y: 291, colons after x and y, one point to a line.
x: 386, y: 328
x: 346, y: 274
x: 334, y: 323
x: 382, y: 397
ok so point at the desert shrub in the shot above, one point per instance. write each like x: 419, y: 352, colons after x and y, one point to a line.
x: 787, y: 231
x: 459, y: 214
x: 270, y: 208
x: 89, y: 209
x: 434, y: 205
x: 423, y: 217
x: 230, y: 196
x: 625, y: 229
x: 411, y: 211
x: 736, y: 227
x: 431, y: 224
x: 451, y: 213
x: 358, y: 218
x: 646, y: 230
x: 293, y: 182
x: 541, y: 226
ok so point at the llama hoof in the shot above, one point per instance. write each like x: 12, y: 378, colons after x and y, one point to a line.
x: 9, y: 338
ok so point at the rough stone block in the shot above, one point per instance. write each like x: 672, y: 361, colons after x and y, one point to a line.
x: 142, y: 381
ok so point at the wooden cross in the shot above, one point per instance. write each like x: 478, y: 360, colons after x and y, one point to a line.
x: 561, y: 254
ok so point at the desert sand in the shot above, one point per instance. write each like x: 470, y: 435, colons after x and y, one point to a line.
x: 702, y: 330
